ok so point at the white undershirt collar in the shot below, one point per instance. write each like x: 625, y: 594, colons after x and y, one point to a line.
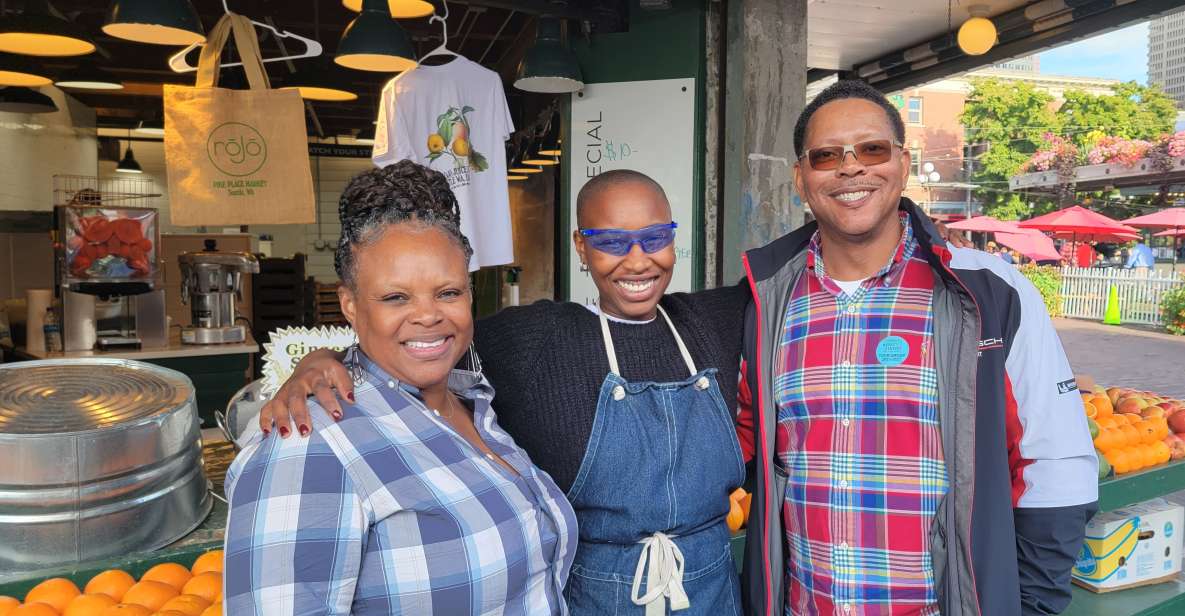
x: 593, y: 308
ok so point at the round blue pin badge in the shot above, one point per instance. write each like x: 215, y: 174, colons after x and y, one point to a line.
x: 892, y: 351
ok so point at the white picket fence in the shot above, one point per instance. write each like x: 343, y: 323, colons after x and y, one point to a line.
x: 1084, y: 293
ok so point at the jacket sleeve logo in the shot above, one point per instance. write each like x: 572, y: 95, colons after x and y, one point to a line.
x: 1066, y: 387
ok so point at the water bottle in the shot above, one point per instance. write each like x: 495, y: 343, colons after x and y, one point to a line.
x: 53, y: 331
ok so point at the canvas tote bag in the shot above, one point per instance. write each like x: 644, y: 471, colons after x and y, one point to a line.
x: 236, y: 157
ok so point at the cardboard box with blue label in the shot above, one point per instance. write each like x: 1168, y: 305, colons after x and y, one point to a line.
x: 1132, y: 546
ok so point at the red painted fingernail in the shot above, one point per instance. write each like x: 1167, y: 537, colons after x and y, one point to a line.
x: 350, y: 396
x: 283, y: 431
x: 266, y: 432
x: 337, y: 415
x: 304, y: 430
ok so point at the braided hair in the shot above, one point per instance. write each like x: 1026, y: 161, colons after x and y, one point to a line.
x: 403, y: 193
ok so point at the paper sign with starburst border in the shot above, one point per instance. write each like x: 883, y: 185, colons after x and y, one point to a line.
x: 288, y: 345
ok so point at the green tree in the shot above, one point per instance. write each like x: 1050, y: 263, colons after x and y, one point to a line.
x: 1004, y: 121
x: 1131, y: 111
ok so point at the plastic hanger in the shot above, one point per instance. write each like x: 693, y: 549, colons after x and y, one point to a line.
x: 180, y: 64
x: 443, y: 49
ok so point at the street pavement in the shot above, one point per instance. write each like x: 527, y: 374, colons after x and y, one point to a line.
x: 1125, y: 356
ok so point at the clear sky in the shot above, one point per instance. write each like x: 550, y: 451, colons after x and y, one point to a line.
x: 1121, y: 54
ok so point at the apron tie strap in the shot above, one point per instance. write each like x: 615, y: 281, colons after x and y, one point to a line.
x: 663, y: 561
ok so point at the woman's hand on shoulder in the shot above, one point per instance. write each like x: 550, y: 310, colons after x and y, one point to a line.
x: 319, y: 374
x: 953, y: 237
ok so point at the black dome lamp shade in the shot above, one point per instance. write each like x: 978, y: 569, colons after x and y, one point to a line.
x: 549, y: 66
x: 17, y: 71
x: 38, y: 33
x: 129, y: 164
x: 159, y: 22
x: 24, y: 100
x: 88, y: 77
x: 398, y: 9
x: 319, y: 81
x: 374, y: 42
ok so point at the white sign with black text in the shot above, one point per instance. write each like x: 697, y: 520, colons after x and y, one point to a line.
x: 647, y: 126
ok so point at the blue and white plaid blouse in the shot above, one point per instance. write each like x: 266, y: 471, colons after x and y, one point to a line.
x: 389, y: 511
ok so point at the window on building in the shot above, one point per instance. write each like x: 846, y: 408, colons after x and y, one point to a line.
x: 914, y: 115
x: 915, y: 162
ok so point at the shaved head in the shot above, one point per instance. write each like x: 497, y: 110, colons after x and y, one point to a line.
x: 596, y: 186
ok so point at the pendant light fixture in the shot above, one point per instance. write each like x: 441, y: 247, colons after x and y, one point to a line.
x: 551, y: 144
x: 151, y: 128
x: 129, y: 164
x: 88, y: 76
x: 17, y: 71
x: 319, y: 81
x: 374, y: 42
x: 515, y: 178
x: 557, y: 150
x: 24, y: 100
x: 36, y: 32
x: 977, y: 35
x: 549, y: 67
x: 399, y: 9
x: 540, y: 162
x: 159, y: 22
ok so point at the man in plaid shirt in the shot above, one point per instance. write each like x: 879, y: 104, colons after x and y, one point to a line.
x: 919, y: 445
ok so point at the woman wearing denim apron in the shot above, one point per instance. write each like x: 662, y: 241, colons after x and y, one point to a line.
x: 652, y: 494
x: 627, y: 404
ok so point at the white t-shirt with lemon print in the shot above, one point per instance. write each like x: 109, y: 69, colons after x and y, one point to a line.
x: 454, y: 119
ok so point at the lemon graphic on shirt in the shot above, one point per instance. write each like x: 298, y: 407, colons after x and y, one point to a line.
x: 435, y: 143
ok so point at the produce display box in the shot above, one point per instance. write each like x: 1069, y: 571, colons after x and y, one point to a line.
x: 206, y: 537
x: 1124, y: 490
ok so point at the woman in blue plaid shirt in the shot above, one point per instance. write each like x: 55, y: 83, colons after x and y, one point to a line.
x: 415, y: 501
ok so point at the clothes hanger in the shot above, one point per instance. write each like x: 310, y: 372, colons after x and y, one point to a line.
x: 443, y: 49
x: 180, y: 64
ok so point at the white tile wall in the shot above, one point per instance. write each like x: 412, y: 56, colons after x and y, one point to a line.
x: 34, y: 147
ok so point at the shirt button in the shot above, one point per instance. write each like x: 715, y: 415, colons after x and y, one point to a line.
x: 843, y: 483
x: 436, y: 412
x: 846, y: 364
x: 391, y: 384
x: 847, y: 607
x: 845, y: 423
x: 843, y: 546
x: 852, y: 309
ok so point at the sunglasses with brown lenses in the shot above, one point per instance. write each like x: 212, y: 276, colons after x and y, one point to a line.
x: 873, y: 152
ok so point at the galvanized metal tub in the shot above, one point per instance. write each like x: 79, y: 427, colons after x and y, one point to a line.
x: 98, y: 458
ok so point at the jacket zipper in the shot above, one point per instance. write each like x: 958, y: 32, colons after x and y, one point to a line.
x: 759, y: 420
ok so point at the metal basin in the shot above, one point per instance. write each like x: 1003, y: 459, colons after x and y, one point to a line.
x: 241, y: 422
x: 100, y: 458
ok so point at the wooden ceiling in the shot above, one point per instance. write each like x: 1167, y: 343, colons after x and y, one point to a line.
x: 495, y: 33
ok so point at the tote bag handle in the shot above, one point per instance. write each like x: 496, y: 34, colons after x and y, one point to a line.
x: 247, y: 44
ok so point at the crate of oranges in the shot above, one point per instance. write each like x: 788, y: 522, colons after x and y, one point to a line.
x: 167, y: 589
x: 1129, y: 442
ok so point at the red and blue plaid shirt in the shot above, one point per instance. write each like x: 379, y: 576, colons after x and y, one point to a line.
x: 858, y: 435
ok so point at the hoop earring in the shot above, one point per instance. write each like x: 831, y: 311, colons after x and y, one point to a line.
x: 474, y: 360
x: 584, y: 267
x: 353, y: 364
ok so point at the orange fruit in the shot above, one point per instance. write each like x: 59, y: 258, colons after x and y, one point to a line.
x: 1131, y: 436
x: 1121, y: 419
x: 1103, y: 404
x: 169, y: 573
x: 1163, y: 452
x: 214, y: 610
x: 35, y: 608
x: 7, y: 604
x: 190, y: 605
x: 210, y: 561
x: 112, y: 582
x: 150, y: 594
x: 127, y: 609
x: 1105, y: 441
x: 1118, y: 460
x: 1107, y: 422
x: 55, y: 592
x: 89, y: 605
x: 1147, y: 431
x: 1091, y: 411
x: 206, y: 585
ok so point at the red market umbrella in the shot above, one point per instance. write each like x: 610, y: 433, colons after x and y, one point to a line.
x: 984, y: 224
x: 1078, y: 223
x: 1172, y: 219
x: 1030, y: 243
